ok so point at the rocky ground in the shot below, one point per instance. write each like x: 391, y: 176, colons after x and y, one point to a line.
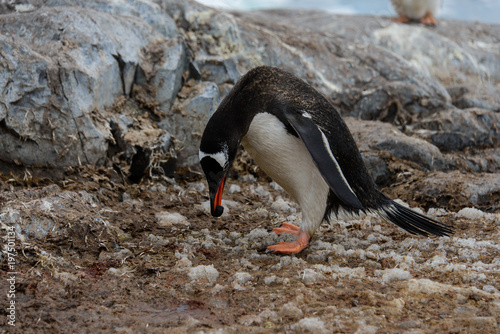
x: 104, y: 214
x: 101, y: 255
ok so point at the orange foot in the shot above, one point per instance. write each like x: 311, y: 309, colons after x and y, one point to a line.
x: 401, y: 19
x: 286, y: 228
x: 428, y: 19
x: 291, y: 247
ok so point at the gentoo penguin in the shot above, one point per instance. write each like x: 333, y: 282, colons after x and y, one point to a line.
x: 421, y: 10
x: 298, y: 139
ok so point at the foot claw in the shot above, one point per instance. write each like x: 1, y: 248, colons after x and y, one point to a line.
x: 291, y: 247
x: 285, y: 228
x: 286, y: 248
x: 263, y: 250
x: 428, y: 19
x: 401, y: 19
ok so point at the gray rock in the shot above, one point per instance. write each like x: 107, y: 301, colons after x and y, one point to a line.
x: 456, y: 129
x: 217, y: 70
x: 189, y: 115
x: 379, y: 136
x: 475, y: 96
x: 165, y: 65
x: 479, y: 189
x: 480, y: 161
x: 145, y: 10
x: 437, y: 56
x: 73, y: 74
x: 376, y: 167
x: 366, y: 80
x: 60, y: 79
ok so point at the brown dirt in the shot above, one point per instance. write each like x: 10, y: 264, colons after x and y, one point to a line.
x: 138, y: 274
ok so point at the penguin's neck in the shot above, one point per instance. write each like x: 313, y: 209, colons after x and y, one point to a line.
x: 285, y: 159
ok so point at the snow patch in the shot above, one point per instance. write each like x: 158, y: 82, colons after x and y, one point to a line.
x: 395, y: 274
x: 241, y: 277
x: 260, y: 190
x: 276, y: 186
x: 311, y: 276
x: 311, y: 325
x: 270, y: 279
x: 470, y: 213
x: 197, y: 186
x: 350, y: 273
x: 291, y: 310
x: 204, y: 272
x: 168, y: 219
x: 183, y: 264
x: 427, y: 286
x: 247, y: 178
x: 234, y: 188
x: 281, y: 205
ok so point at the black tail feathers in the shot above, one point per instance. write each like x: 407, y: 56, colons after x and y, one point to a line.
x: 412, y: 221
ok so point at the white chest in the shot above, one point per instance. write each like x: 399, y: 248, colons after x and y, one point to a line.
x: 287, y: 161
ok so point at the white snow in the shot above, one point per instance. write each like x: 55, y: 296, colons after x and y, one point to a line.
x: 204, y: 272
x: 358, y: 272
x: 311, y: 276
x: 183, y: 264
x: 268, y: 314
x: 470, y: 213
x: 247, y: 178
x: 310, y: 325
x: 270, y: 279
x: 242, y: 277
x: 275, y: 186
x: 46, y: 205
x: 438, y: 260
x: 260, y: 190
x: 490, y: 289
x: 197, y: 186
x: 427, y: 286
x: 280, y: 204
x: 234, y: 235
x: 234, y: 188
x: 166, y: 218
x: 291, y: 310
x: 394, y: 274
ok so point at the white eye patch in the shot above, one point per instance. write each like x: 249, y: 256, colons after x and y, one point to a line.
x: 222, y: 157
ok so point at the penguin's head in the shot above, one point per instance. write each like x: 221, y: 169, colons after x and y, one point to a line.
x: 219, y: 145
x: 216, y: 158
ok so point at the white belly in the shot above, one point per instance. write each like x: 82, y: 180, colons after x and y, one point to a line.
x: 416, y: 9
x: 287, y: 161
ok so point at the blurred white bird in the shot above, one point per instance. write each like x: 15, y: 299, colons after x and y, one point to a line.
x: 420, y: 10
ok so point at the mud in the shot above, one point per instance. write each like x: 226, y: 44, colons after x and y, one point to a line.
x: 160, y: 263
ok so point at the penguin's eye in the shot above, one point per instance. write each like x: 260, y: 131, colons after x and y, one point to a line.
x: 219, y: 158
x: 211, y: 167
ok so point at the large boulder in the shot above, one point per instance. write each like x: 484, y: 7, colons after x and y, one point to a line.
x: 455, y: 129
x: 189, y: 115
x: 380, y: 136
x: 60, y: 79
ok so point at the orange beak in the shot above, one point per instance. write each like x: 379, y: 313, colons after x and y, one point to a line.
x: 217, y: 208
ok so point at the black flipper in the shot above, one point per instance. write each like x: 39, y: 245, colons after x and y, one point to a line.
x: 317, y: 144
x: 412, y: 221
